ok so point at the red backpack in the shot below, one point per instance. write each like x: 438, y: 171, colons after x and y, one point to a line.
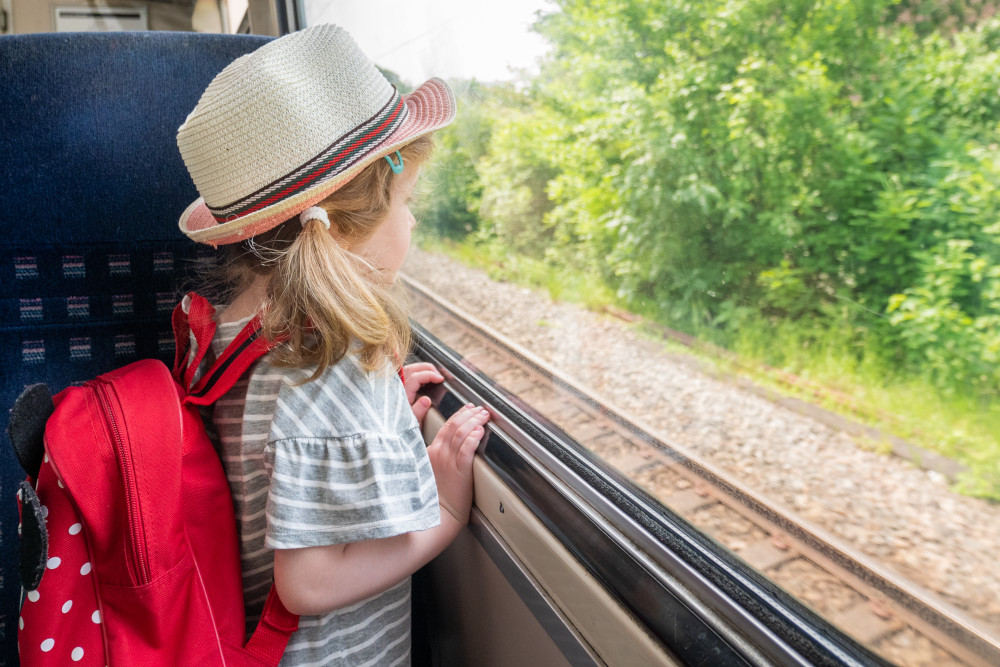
x: 129, y: 548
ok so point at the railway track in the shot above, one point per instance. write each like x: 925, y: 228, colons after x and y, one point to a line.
x: 892, y: 616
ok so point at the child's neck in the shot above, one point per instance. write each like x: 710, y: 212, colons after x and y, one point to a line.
x: 247, y: 303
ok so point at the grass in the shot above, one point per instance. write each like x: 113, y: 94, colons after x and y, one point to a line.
x: 948, y: 421
x: 822, y: 367
x: 562, y: 284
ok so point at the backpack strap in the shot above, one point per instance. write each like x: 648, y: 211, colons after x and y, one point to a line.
x: 273, y: 631
x: 248, y: 346
x: 239, y: 355
x: 193, y: 314
x: 276, y: 624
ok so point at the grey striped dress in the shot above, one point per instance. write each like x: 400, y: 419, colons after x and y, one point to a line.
x: 339, y: 459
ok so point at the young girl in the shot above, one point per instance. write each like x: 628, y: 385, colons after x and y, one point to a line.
x: 306, y: 159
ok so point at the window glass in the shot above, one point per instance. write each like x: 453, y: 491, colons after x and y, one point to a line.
x: 767, y: 233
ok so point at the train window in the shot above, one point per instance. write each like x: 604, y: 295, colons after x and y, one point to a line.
x: 745, y: 258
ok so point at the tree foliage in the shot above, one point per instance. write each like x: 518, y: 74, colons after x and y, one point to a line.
x: 829, y: 162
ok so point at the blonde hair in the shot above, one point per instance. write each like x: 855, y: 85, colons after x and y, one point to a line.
x: 321, y: 299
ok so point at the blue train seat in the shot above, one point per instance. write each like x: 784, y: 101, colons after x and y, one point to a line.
x: 91, y: 187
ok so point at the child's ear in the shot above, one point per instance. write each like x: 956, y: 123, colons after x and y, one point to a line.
x: 26, y: 426
x: 34, y: 538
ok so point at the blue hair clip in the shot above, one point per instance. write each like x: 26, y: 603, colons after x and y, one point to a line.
x: 396, y: 168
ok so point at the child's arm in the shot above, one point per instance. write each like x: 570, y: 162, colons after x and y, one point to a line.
x: 316, y: 580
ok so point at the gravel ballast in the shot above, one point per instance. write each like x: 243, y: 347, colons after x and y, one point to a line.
x: 905, y: 517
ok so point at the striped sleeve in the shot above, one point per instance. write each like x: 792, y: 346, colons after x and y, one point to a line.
x: 330, y: 490
x: 347, y: 463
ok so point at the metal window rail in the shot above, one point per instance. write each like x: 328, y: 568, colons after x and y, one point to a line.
x: 700, y: 601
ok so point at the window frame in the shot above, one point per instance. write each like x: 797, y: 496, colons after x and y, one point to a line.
x: 708, y: 606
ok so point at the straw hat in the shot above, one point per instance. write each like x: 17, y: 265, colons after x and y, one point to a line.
x: 281, y: 128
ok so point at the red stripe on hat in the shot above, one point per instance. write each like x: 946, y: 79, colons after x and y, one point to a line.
x: 278, y: 196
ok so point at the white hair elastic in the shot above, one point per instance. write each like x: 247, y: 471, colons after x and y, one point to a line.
x: 314, y: 213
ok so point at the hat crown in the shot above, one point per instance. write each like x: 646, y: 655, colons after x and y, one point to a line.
x: 282, y: 128
x: 275, y: 109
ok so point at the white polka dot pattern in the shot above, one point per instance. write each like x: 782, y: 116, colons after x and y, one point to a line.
x: 53, y: 629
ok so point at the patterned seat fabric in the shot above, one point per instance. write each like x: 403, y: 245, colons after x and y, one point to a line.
x: 91, y: 187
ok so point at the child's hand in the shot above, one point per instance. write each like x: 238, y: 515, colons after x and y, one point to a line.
x: 417, y: 375
x: 451, y: 454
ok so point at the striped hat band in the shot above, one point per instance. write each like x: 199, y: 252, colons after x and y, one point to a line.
x: 283, y: 127
x: 339, y: 156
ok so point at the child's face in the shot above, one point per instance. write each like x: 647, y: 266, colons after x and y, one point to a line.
x: 386, y: 247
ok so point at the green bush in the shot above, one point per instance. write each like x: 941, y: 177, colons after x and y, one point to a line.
x: 450, y: 189
x: 825, y: 164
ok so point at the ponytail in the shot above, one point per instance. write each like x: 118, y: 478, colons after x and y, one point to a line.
x: 324, y: 298
x: 324, y: 301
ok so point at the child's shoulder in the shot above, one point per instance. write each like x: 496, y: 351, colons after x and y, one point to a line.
x: 345, y: 399
x: 347, y: 375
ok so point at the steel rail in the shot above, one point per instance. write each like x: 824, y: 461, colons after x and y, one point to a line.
x: 746, y: 615
x: 938, y: 621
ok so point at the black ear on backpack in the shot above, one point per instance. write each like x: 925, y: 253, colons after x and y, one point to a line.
x: 34, y: 538
x: 26, y: 426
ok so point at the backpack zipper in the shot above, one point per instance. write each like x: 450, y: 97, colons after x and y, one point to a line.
x: 136, y: 557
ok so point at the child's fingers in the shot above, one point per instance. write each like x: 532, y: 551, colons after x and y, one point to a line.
x: 419, y: 366
x: 420, y: 408
x: 423, y: 377
x: 420, y: 374
x: 417, y: 375
x: 467, y: 452
x: 473, y: 421
x: 446, y: 436
x: 447, y: 431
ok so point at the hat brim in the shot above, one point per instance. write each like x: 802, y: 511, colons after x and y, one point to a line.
x: 430, y: 107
